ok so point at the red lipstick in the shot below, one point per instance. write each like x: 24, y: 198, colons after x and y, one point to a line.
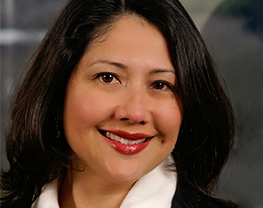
x: 130, y: 136
x: 128, y: 149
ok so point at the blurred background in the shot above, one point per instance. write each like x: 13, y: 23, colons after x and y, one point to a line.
x: 233, y: 31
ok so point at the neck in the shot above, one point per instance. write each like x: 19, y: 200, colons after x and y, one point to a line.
x: 84, y: 189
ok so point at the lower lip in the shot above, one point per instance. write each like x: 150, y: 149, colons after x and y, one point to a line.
x: 127, y: 149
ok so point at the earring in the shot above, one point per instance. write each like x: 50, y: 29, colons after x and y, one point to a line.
x: 57, y: 128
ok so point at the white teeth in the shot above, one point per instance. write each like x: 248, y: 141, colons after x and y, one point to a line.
x: 108, y: 134
x: 116, y: 138
x: 124, y: 141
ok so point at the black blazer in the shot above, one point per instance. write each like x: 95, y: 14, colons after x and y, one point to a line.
x: 194, y: 199
x: 8, y: 205
x: 197, y: 199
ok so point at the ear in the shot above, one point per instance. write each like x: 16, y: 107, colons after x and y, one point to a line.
x: 57, y: 107
x: 57, y: 113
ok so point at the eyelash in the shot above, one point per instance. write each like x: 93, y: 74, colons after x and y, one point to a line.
x: 115, y: 76
x: 165, y: 83
x: 100, y: 76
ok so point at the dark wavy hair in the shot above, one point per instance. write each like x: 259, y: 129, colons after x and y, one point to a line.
x: 206, y: 136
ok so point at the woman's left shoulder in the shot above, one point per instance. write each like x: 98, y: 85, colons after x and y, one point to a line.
x: 188, y: 197
x: 209, y: 203
x: 8, y: 205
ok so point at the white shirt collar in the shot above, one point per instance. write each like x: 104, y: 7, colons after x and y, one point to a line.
x: 48, y: 197
x: 154, y: 190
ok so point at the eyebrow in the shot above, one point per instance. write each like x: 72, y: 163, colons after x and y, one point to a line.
x: 103, y: 61
x: 155, y: 71
x: 123, y: 66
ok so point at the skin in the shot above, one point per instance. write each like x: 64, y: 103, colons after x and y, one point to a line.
x: 130, y: 97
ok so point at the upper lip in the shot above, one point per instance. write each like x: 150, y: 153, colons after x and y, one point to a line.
x: 128, y: 135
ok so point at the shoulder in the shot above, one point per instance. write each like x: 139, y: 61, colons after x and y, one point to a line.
x: 186, y: 197
x: 8, y: 205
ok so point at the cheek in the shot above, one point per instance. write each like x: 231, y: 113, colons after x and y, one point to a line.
x: 83, y: 110
x: 169, y: 121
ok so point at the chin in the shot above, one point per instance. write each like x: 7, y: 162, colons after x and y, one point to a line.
x: 127, y: 176
x: 126, y: 179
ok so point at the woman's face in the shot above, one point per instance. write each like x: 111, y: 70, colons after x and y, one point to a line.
x: 121, y: 116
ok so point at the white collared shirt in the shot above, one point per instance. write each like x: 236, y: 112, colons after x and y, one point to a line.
x: 154, y: 190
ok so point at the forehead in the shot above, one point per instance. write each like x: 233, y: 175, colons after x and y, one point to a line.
x: 125, y: 26
x: 134, y: 37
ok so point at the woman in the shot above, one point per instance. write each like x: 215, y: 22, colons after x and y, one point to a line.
x: 121, y: 107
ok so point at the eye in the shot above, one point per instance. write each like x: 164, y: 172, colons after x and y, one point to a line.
x: 107, y: 78
x: 162, y: 85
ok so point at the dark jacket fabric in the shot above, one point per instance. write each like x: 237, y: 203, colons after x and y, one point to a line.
x: 8, y: 205
x: 197, y: 199
x: 194, y: 199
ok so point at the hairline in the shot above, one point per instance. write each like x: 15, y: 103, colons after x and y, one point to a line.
x: 101, y: 32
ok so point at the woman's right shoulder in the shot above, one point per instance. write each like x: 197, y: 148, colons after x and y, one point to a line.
x: 8, y: 205
x: 187, y: 197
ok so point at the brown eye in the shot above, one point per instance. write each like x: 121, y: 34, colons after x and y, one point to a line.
x: 162, y: 85
x: 159, y: 85
x: 107, y: 78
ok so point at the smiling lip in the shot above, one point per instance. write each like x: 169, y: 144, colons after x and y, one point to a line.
x: 124, y: 148
x: 130, y: 136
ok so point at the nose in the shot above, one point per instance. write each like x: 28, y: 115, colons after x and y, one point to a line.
x: 133, y: 107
